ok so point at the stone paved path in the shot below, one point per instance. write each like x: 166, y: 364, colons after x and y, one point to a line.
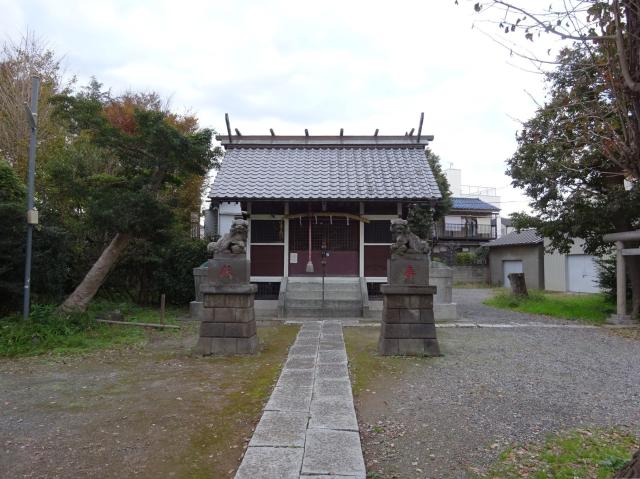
x: 309, y: 427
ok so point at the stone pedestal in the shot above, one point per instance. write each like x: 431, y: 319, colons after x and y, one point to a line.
x: 228, y: 319
x: 408, y: 326
x: 441, y: 277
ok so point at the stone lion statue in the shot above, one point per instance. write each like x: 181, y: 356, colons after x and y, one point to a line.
x: 404, y: 241
x: 235, y: 241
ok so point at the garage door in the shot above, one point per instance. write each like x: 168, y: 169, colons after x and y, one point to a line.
x: 582, y: 274
x: 508, y: 267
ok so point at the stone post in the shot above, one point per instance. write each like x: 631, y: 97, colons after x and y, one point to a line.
x: 621, y: 282
x: 408, y: 327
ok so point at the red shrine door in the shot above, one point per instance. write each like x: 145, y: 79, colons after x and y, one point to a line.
x: 339, y: 236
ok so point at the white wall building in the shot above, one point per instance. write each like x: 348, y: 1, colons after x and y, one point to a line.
x: 576, y: 272
x: 487, y: 194
x: 218, y: 220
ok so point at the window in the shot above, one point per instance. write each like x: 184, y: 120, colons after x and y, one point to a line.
x: 267, y: 231
x: 378, y: 231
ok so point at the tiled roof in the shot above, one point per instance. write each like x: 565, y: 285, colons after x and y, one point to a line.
x: 334, y: 172
x: 524, y: 237
x: 472, y: 204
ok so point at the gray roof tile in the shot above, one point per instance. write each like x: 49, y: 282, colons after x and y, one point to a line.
x: 524, y: 237
x: 366, y: 173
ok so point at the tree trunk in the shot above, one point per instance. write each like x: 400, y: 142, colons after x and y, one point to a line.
x: 631, y: 469
x: 87, y: 289
x: 518, y: 285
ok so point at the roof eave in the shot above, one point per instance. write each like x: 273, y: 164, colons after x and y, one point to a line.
x: 537, y: 243
x: 248, y: 198
x: 469, y: 210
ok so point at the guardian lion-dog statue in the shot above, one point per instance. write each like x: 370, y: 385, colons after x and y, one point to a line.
x: 404, y: 241
x: 234, y: 242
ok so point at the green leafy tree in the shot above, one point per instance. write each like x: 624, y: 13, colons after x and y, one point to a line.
x: 12, y: 225
x: 565, y: 165
x: 140, y: 154
x: 589, y: 130
x: 422, y: 217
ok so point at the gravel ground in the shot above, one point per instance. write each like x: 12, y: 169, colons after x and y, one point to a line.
x: 494, y: 387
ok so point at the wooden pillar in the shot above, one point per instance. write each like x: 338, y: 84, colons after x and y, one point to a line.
x: 286, y: 240
x: 361, y: 244
x: 621, y: 281
x: 249, y: 232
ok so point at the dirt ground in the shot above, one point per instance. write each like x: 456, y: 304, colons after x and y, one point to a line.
x: 449, y: 417
x: 152, y: 411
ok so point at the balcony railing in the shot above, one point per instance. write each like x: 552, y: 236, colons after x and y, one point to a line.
x: 465, y: 231
x: 470, y: 190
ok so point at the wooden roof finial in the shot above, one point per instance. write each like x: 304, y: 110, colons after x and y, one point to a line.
x: 420, y: 126
x: 226, y: 119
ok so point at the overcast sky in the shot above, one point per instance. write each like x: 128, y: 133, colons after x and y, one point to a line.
x: 291, y: 65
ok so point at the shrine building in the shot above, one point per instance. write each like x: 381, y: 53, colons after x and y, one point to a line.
x: 319, y: 206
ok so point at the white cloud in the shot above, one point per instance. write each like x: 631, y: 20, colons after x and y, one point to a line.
x: 291, y: 65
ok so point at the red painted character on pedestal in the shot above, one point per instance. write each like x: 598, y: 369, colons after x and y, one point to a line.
x: 409, y: 273
x: 226, y: 272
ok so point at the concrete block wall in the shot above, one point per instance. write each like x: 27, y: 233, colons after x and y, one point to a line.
x: 471, y: 274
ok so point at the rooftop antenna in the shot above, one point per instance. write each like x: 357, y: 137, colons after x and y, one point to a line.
x: 226, y: 119
x: 272, y: 132
x: 420, y: 126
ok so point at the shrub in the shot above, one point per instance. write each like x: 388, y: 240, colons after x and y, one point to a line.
x: 47, y: 330
x: 146, y: 270
x: 465, y: 258
x: 13, y: 227
x: 175, y: 275
x: 607, y: 278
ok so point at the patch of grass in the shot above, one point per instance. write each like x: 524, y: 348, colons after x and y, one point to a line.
x: 593, y: 308
x: 581, y: 453
x: 216, y: 447
x: 365, y: 364
x: 47, y: 330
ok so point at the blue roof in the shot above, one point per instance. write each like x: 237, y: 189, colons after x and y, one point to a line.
x: 472, y: 204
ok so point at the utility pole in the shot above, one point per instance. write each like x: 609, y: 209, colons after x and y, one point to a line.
x: 32, y: 214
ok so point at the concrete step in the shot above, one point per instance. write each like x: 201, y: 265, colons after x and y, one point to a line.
x: 298, y: 286
x: 328, y: 303
x: 326, y: 313
x: 328, y: 295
